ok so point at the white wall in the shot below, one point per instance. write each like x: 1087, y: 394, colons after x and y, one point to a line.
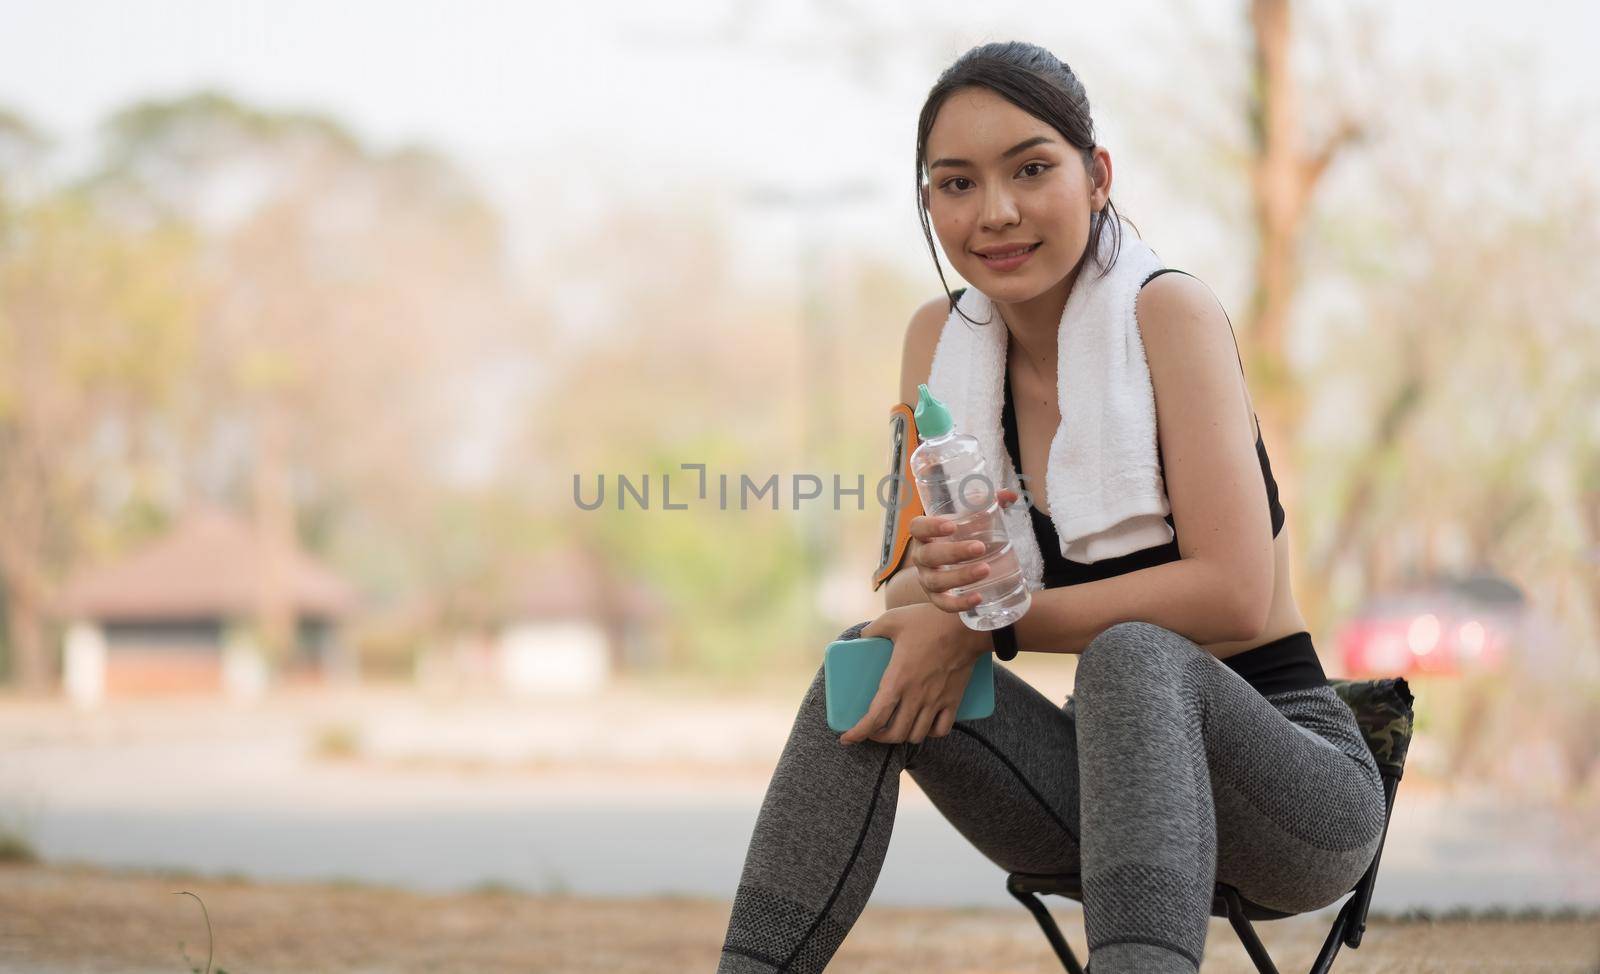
x: 560, y: 658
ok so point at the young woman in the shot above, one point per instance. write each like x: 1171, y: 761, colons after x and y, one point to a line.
x: 1201, y: 742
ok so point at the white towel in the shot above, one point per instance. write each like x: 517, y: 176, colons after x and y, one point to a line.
x: 1103, y: 478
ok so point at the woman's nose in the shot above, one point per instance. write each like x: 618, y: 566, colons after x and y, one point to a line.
x: 999, y: 208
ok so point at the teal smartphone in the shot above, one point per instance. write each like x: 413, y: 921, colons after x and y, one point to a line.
x: 853, y: 668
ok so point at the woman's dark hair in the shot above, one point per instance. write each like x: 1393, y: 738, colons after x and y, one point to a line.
x: 1039, y: 83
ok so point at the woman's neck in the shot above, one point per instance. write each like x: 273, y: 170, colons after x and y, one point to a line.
x: 1034, y: 326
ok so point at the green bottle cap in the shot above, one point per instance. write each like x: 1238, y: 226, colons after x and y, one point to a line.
x: 933, y: 419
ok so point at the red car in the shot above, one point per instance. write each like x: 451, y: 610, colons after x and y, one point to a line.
x: 1447, y: 626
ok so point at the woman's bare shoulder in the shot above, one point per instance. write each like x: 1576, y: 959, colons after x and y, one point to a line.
x: 922, y: 339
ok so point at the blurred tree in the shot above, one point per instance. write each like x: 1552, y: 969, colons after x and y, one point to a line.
x: 23, y: 148
x: 1475, y: 324
x: 352, y: 295
x: 1403, y: 235
x: 1289, y: 143
x: 1460, y: 339
x: 97, y: 322
x: 1284, y: 178
x: 676, y: 365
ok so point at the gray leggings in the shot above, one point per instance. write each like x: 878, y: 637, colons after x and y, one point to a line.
x: 1164, y: 773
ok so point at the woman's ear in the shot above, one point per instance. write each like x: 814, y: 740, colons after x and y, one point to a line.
x: 1100, y: 175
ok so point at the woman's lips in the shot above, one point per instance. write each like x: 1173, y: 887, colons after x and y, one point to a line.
x: 1009, y: 263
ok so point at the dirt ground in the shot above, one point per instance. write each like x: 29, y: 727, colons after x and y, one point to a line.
x: 60, y: 918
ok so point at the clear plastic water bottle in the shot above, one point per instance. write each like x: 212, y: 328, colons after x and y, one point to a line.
x: 954, y: 479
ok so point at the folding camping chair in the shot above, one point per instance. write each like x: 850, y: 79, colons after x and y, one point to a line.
x: 1383, y: 710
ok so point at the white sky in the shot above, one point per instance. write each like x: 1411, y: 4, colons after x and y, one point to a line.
x: 565, y: 109
x: 619, y: 111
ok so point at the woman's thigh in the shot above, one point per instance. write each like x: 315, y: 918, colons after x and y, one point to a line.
x: 1297, y: 812
x: 1298, y: 818
x: 1008, y: 782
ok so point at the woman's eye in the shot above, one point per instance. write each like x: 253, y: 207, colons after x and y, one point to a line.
x: 950, y: 184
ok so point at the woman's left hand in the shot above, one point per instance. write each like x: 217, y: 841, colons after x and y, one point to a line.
x: 934, y: 653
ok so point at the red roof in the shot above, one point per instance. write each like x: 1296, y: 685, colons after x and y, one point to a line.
x: 210, y: 564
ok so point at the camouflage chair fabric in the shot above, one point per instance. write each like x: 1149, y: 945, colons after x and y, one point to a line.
x: 1383, y: 712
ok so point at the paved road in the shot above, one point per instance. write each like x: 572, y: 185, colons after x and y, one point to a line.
x: 216, y: 791
x: 604, y: 849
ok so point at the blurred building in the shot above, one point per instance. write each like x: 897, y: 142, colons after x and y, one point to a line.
x: 564, y: 623
x: 175, y: 615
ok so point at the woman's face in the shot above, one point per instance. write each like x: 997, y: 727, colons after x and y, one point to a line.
x: 990, y: 190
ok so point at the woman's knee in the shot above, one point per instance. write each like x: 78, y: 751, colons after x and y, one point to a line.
x: 1130, y: 654
x: 813, y: 716
x: 817, y: 682
x: 854, y: 632
x: 814, y: 704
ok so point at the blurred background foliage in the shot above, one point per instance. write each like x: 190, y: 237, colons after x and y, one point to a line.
x: 234, y: 302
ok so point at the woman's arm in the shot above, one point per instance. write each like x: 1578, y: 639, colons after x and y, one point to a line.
x: 916, y: 361
x: 1191, y: 598
x: 1182, y: 596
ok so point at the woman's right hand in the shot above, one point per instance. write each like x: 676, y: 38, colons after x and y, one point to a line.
x: 933, y: 552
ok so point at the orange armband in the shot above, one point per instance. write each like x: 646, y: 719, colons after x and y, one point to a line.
x: 903, y: 502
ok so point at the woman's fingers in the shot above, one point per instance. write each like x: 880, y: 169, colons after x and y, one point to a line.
x: 952, y: 600
x: 938, y: 527
x: 945, y: 579
x: 944, y: 563
x: 937, y: 554
x: 896, y: 722
x: 892, y: 720
x: 899, y: 726
x: 921, y: 726
x: 873, y: 721
x: 929, y: 527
